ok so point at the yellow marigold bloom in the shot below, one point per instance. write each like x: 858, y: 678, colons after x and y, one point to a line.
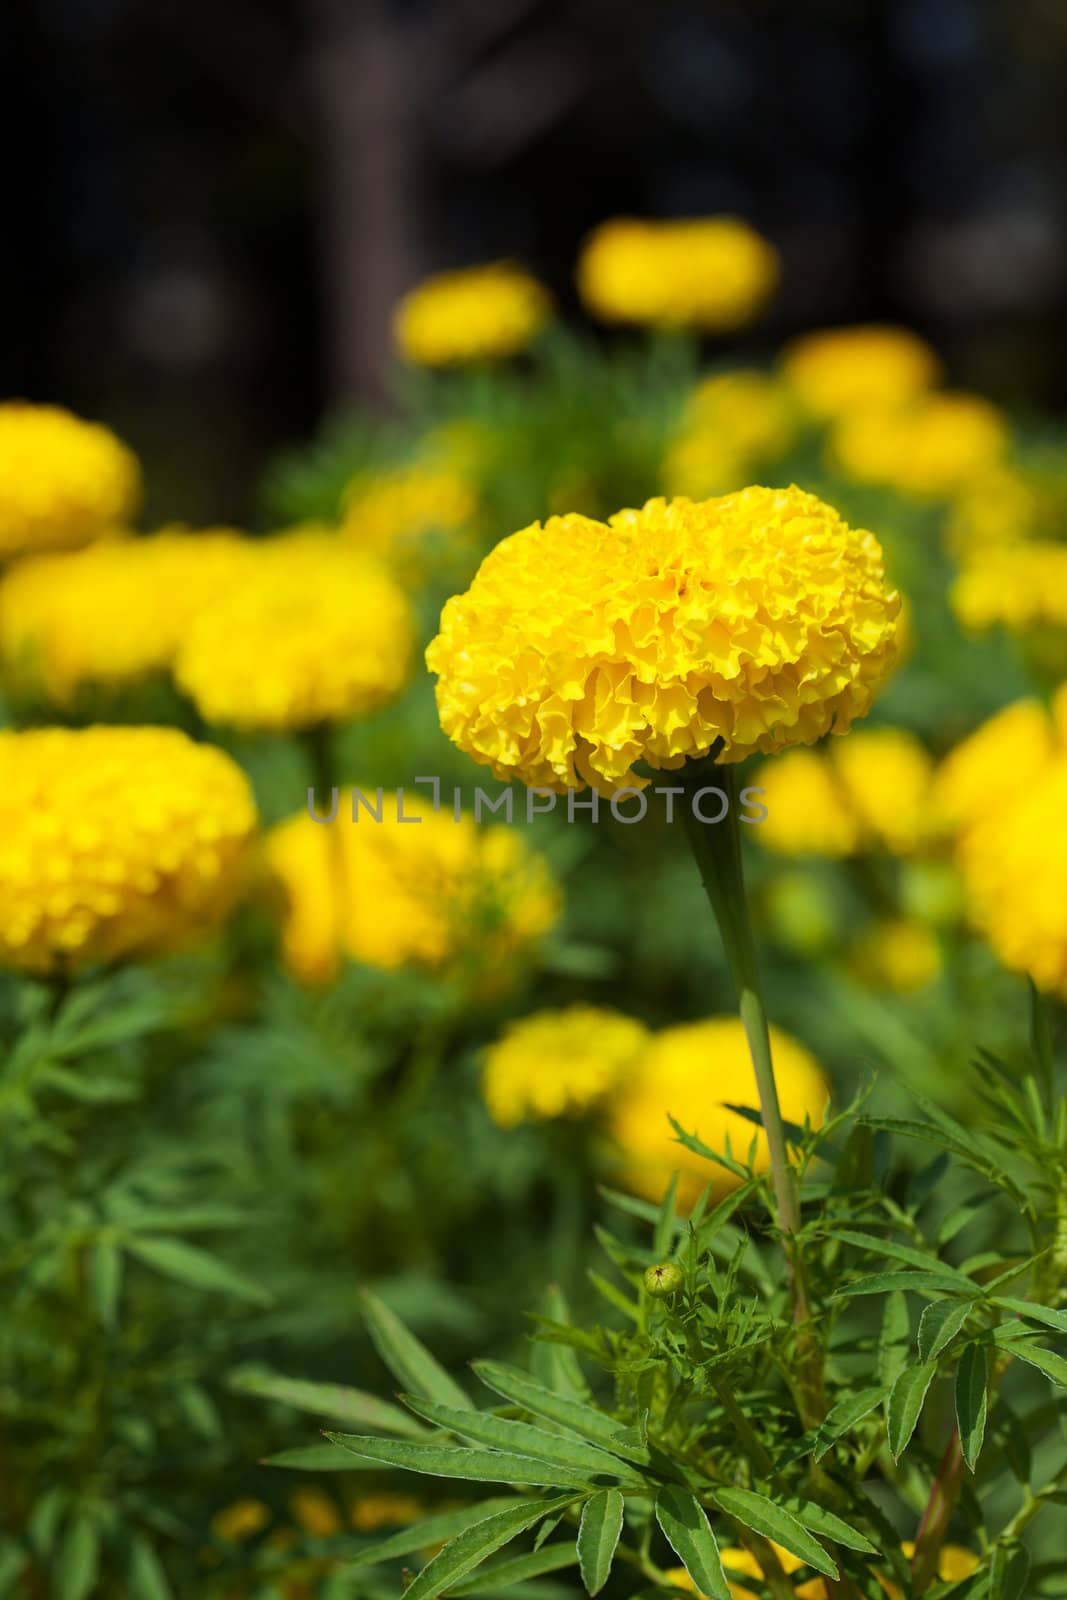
x: 807, y: 810
x: 388, y: 514
x: 476, y: 314
x: 760, y: 619
x: 62, y: 481
x: 114, y: 842
x: 688, y: 1072
x: 313, y: 633
x: 1000, y: 507
x: 559, y: 1063
x: 243, y: 1520
x: 887, y: 774
x: 897, y: 953
x: 447, y: 896
x: 1014, y: 865
x: 715, y: 273
x: 837, y: 371
x: 1019, y: 586
x: 1002, y: 756
x: 955, y: 1563
x: 315, y: 1512
x: 931, y: 449
x: 735, y: 422
x: 111, y: 614
x: 385, y: 1510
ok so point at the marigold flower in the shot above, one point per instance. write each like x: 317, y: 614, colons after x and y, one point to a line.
x: 314, y: 633
x: 931, y: 449
x: 999, y: 507
x: 808, y: 812
x: 115, y: 843
x: 837, y: 371
x: 315, y: 1512
x: 388, y: 514
x: 715, y: 273
x: 559, y: 1063
x: 735, y: 422
x: 240, y: 1521
x: 759, y: 619
x: 453, y: 897
x: 869, y: 792
x: 62, y: 481
x: 689, y: 1072
x: 111, y: 614
x: 476, y: 314
x: 1000, y: 758
x: 898, y: 954
x: 955, y: 1563
x: 1020, y: 586
x: 385, y: 1509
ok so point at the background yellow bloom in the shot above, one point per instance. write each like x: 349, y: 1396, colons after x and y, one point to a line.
x: 836, y: 371
x: 559, y: 1063
x: 476, y: 314
x: 62, y: 481
x: 715, y: 273
x: 930, y: 449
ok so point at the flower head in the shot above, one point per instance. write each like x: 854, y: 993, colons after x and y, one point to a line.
x: 1001, y: 757
x: 734, y: 423
x: 930, y: 449
x: 476, y: 314
x: 759, y: 619
x: 450, y: 897
x: 837, y: 371
x: 869, y: 792
x: 1017, y: 585
x: 62, y: 481
x: 559, y: 1063
x: 898, y: 954
x: 115, y: 843
x: 313, y: 633
x: 389, y: 514
x: 715, y: 273
x: 691, y: 1073
x: 110, y: 614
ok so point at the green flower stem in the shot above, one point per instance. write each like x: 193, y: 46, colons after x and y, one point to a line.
x: 318, y: 745
x: 757, y: 1452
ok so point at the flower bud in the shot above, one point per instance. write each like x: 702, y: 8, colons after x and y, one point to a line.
x: 664, y: 1278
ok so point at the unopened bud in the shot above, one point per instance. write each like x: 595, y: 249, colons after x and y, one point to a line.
x: 664, y: 1278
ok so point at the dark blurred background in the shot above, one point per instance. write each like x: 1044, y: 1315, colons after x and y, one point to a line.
x: 213, y: 204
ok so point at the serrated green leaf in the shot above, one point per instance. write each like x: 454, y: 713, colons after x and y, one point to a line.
x: 841, y: 1417
x: 314, y: 1458
x: 467, y: 1551
x: 586, y: 1421
x: 79, y: 1555
x: 905, y: 1404
x: 520, y: 1438
x: 923, y: 1259
x: 1009, y: 1571
x: 407, y: 1357
x: 894, y: 1341
x: 884, y: 1282
x: 1046, y: 1361
x: 449, y: 1461
x: 432, y: 1530
x: 502, y: 1576
x: 188, y: 1264
x: 939, y: 1324
x: 685, y: 1526
x: 1035, y: 1312
x: 331, y: 1400
x: 598, y: 1536
x: 755, y: 1511
x: 148, y: 1581
x: 819, y: 1520
x: 972, y: 1400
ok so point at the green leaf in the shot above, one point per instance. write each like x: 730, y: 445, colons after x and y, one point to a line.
x: 188, y: 1264
x: 1009, y: 1571
x: 148, y: 1581
x: 104, y: 1280
x: 475, y: 1544
x: 884, y: 1282
x: 500, y: 1433
x: 407, y: 1357
x: 431, y: 1531
x: 894, y: 1342
x: 448, y: 1461
x: 557, y: 1366
x: 514, y: 1385
x: 664, y: 1233
x: 598, y: 1536
x: 1035, y: 1312
x: 1046, y: 1361
x: 902, y: 1252
x: 502, y: 1576
x: 1041, y: 1045
x: 314, y: 1458
x: 843, y: 1416
x: 819, y: 1520
x: 939, y: 1324
x: 686, y: 1528
x: 331, y: 1400
x: 79, y: 1556
x: 905, y: 1403
x: 755, y: 1511
x: 972, y: 1400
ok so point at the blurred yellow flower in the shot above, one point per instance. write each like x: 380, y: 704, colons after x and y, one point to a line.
x: 1020, y: 586
x: 714, y: 273
x: 448, y: 896
x: 868, y: 792
x: 389, y: 514
x: 111, y: 614
x: 689, y: 1072
x: 1001, y: 757
x: 385, y: 1509
x: 808, y: 812
x: 476, y: 314
x: 999, y: 507
x: 759, y: 619
x: 898, y: 954
x: 559, y: 1063
x: 115, y: 843
x: 735, y: 422
x: 313, y: 633
x: 240, y: 1521
x: 63, y: 481
x: 314, y: 1511
x: 931, y: 449
x: 837, y: 371
x: 955, y: 1563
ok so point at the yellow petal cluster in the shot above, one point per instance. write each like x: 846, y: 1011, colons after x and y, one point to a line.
x: 63, y: 481
x: 559, y: 1063
x: 715, y: 273
x: 468, y: 900
x: 388, y: 514
x: 313, y: 633
x: 898, y: 954
x: 955, y: 1563
x: 1001, y: 757
x: 837, y: 371
x: 1001, y: 506
x: 807, y: 809
x: 869, y: 792
x: 114, y: 843
x: 734, y: 424
x: 690, y: 1072
x: 759, y: 619
x: 1016, y: 585
x: 476, y: 314
x: 110, y: 614
x: 931, y: 449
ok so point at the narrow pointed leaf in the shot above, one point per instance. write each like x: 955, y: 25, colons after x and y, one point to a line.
x: 598, y: 1536
x: 1035, y: 1313
x: 332, y: 1400
x: 407, y: 1357
x: 520, y: 1438
x: 433, y: 1530
x: 920, y: 1282
x: 894, y: 1341
x: 148, y: 1581
x: 476, y: 1544
x: 819, y: 1520
x: 559, y: 1365
x: 923, y: 1259
x: 755, y: 1511
x: 905, y: 1403
x: 972, y: 1391
x: 939, y: 1324
x: 188, y: 1264
x: 79, y: 1556
x: 1046, y: 1361
x: 447, y: 1461
x: 502, y: 1576
x: 1009, y: 1571
x: 314, y: 1458
x: 838, y: 1421
x: 686, y: 1528
x: 514, y: 1385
